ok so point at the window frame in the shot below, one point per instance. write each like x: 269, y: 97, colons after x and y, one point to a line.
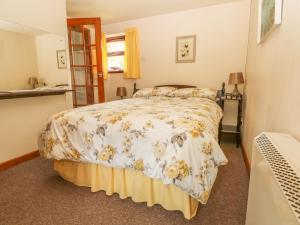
x: 118, y: 53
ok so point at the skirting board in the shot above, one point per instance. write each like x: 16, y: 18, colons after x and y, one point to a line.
x: 18, y: 160
x: 246, y: 160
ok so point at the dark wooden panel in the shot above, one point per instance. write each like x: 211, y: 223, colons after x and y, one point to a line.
x: 179, y: 86
x: 28, y: 94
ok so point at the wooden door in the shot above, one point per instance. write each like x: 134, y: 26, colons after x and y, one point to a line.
x: 86, y: 60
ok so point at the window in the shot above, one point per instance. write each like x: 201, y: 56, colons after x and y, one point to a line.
x: 115, y: 54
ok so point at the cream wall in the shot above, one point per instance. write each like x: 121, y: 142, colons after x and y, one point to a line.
x: 47, y: 15
x: 273, y: 77
x: 222, y: 35
x: 17, y: 60
x: 22, y: 119
x: 46, y: 47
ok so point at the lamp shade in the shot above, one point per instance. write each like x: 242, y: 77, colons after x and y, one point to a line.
x: 236, y: 78
x: 121, y: 91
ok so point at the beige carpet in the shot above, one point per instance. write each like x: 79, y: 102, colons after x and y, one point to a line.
x: 32, y: 193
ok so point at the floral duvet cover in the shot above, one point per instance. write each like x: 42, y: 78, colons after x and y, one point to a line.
x: 168, y: 138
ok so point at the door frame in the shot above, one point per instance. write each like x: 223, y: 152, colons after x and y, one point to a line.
x: 96, y: 21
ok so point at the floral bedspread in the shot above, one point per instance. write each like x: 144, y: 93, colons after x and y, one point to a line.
x: 172, y: 139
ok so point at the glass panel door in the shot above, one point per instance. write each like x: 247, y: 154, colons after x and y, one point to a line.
x: 86, y: 60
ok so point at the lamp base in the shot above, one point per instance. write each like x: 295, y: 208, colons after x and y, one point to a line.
x: 235, y: 91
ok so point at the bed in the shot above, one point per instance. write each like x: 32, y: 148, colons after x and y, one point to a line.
x: 158, y: 148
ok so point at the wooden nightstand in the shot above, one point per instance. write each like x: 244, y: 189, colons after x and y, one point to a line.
x: 234, y: 130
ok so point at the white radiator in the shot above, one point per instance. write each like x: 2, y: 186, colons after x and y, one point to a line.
x: 274, y: 192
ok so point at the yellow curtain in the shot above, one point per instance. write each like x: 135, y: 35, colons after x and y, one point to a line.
x: 104, y: 56
x: 132, y: 54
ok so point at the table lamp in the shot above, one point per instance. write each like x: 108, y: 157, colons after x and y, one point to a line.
x: 236, y: 78
x: 121, y: 91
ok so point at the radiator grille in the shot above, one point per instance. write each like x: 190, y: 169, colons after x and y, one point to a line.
x: 286, y: 177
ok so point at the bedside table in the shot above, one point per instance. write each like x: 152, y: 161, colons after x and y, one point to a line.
x: 228, y: 129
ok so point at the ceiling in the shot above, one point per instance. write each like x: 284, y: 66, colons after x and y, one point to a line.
x: 112, y: 11
x: 18, y: 28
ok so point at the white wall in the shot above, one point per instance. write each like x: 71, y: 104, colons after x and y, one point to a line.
x: 273, y: 77
x: 21, y: 119
x: 222, y: 35
x: 17, y: 60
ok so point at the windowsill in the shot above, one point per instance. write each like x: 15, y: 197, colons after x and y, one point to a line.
x: 117, y: 71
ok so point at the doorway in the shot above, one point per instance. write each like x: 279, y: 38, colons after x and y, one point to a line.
x: 86, y: 60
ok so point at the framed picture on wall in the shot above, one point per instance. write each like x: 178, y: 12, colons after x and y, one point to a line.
x: 269, y: 17
x: 186, y: 49
x: 61, y: 59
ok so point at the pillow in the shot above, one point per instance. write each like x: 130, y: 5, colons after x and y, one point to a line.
x: 144, y: 92
x: 156, y: 91
x: 195, y: 92
x: 163, y: 91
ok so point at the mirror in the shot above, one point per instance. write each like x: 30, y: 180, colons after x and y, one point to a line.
x: 30, y: 58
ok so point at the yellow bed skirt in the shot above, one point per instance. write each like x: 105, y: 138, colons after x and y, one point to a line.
x: 127, y: 183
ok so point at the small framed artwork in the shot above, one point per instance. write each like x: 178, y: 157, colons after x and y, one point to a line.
x: 269, y: 17
x: 186, y: 49
x: 61, y: 59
